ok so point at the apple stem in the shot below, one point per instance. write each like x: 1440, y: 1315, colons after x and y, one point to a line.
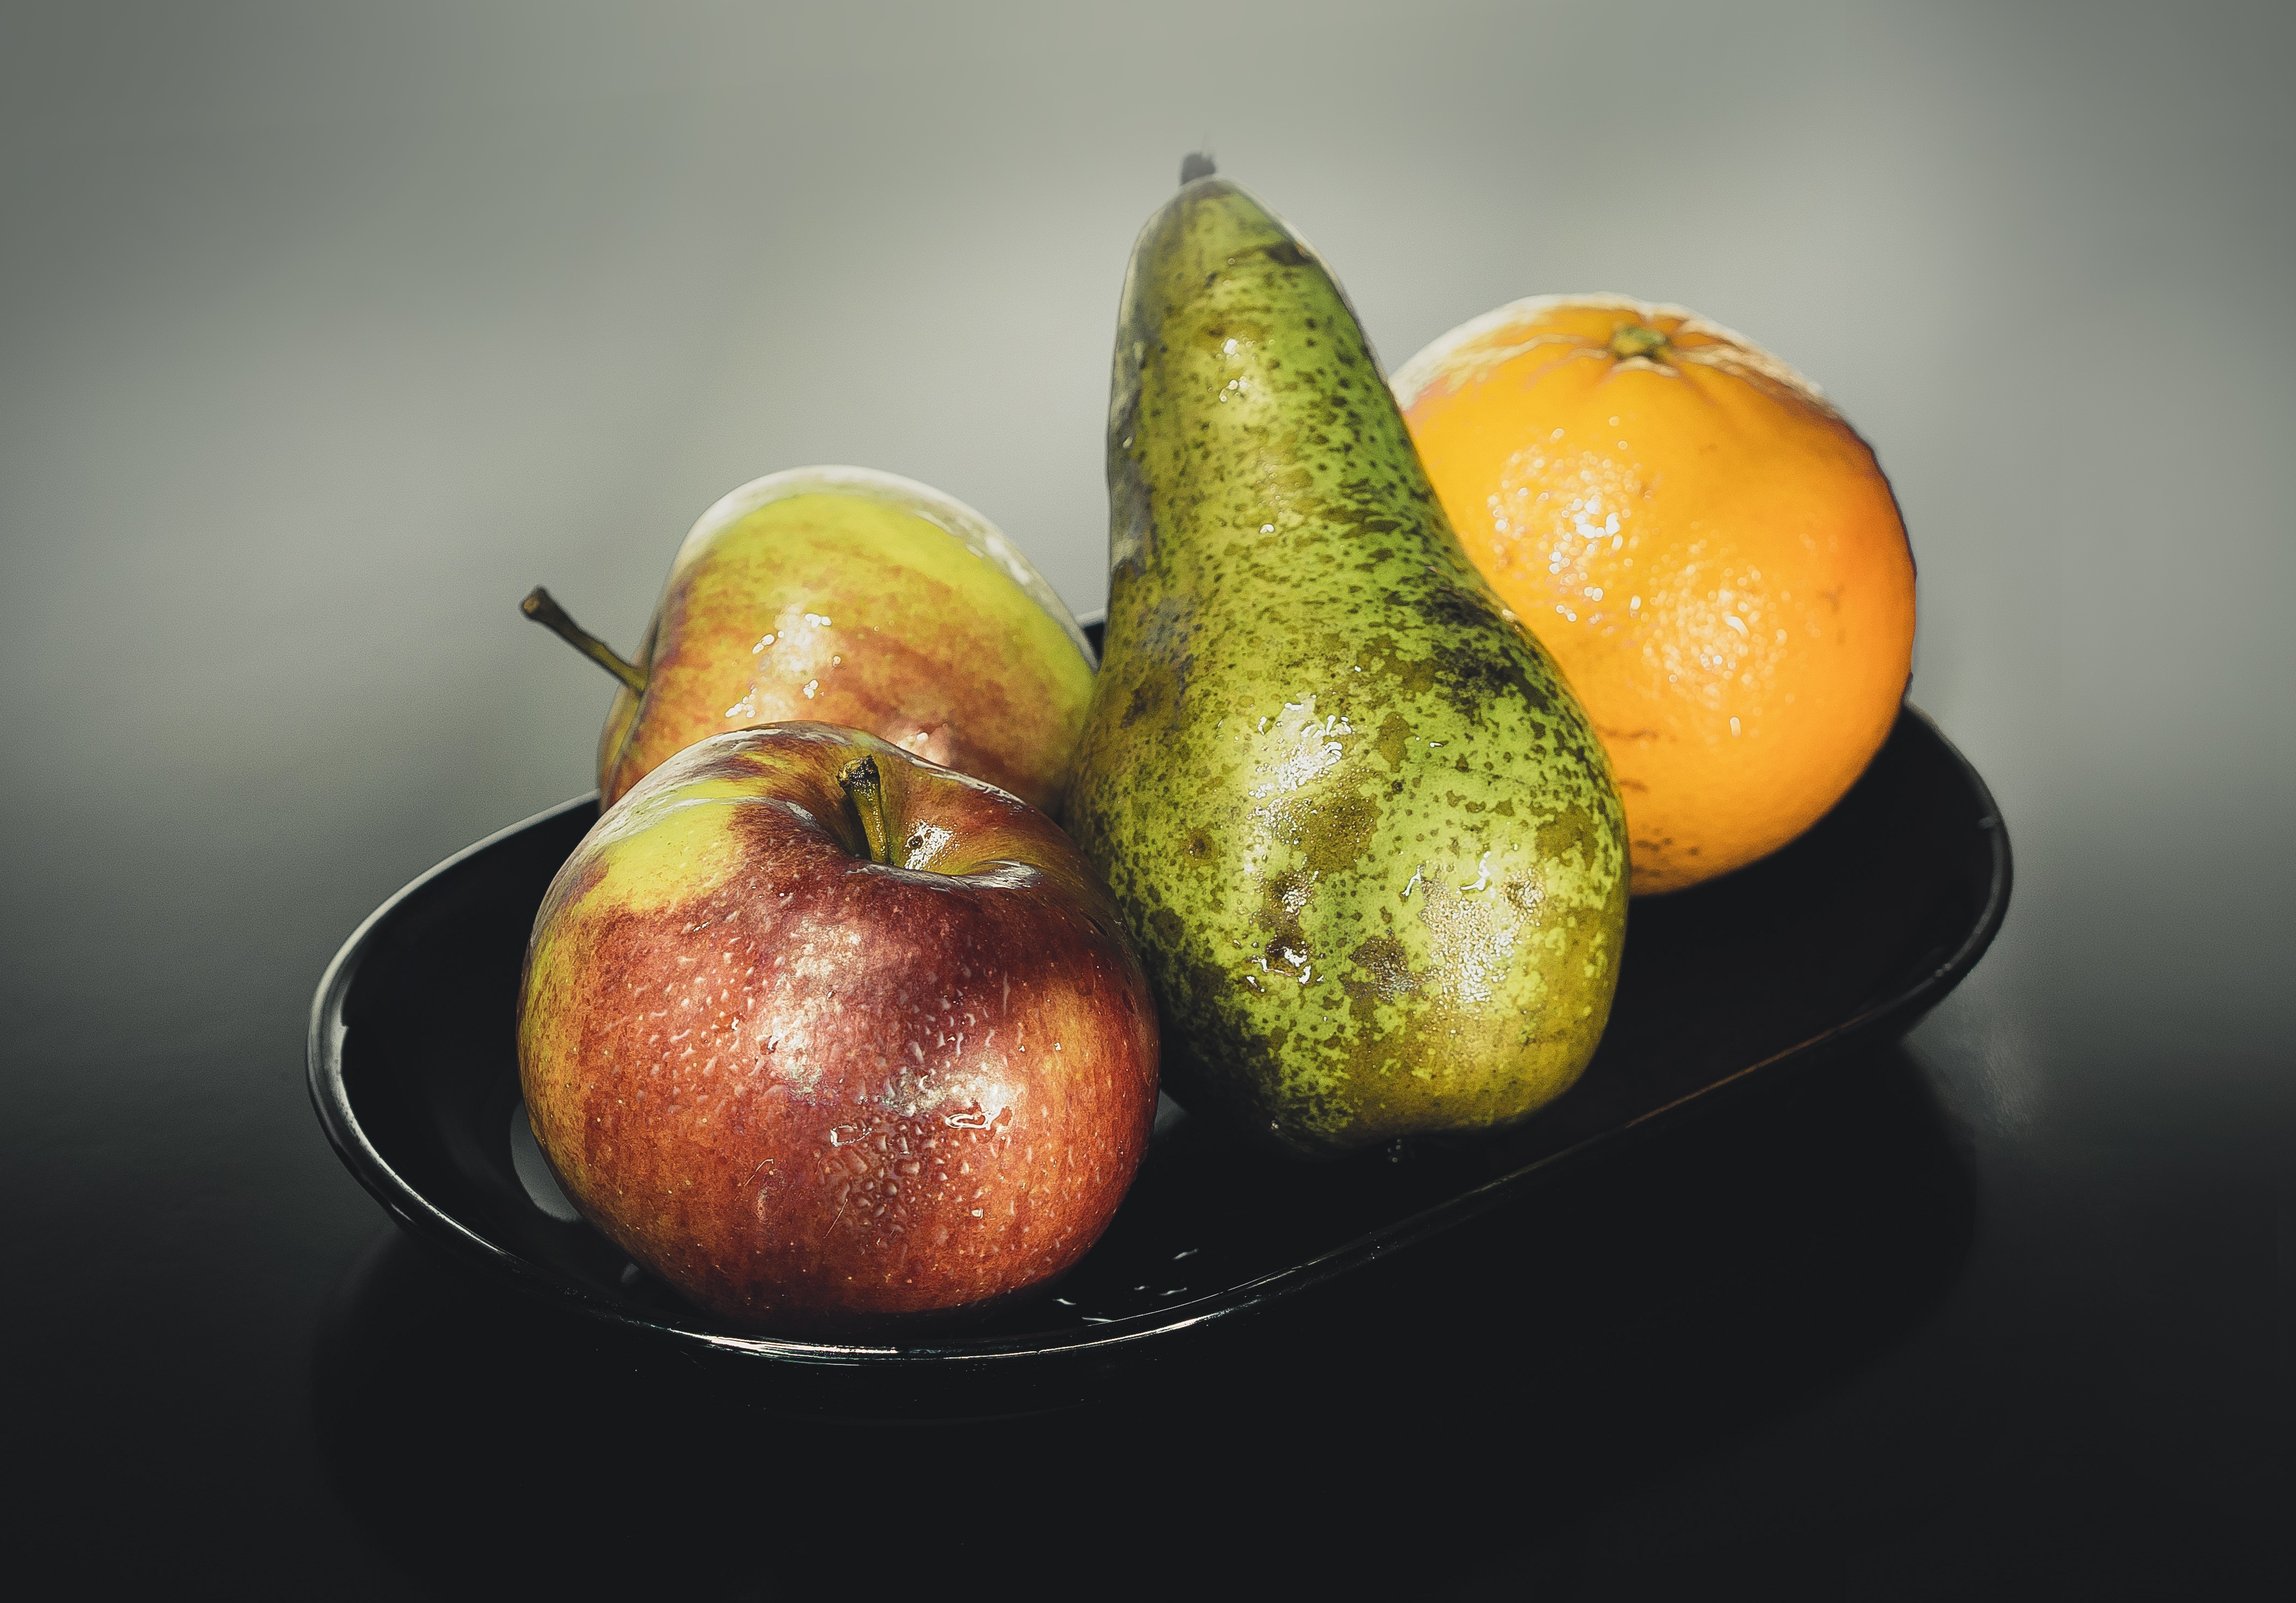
x: 865, y: 789
x: 544, y: 611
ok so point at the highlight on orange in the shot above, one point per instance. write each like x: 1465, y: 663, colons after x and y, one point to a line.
x: 1709, y: 552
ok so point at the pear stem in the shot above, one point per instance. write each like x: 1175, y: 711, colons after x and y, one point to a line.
x: 544, y: 611
x: 865, y: 790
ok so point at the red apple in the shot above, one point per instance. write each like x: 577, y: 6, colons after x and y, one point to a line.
x: 849, y: 596
x: 825, y: 1035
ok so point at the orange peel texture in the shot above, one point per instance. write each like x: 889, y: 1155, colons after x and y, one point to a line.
x: 1708, y: 551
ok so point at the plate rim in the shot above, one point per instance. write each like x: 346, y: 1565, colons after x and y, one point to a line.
x: 433, y: 1225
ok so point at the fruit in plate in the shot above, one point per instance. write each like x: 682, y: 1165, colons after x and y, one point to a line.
x: 848, y: 597
x: 1363, y: 835
x: 825, y: 1035
x: 1709, y: 551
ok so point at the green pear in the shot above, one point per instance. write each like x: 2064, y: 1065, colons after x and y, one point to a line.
x: 1364, y: 837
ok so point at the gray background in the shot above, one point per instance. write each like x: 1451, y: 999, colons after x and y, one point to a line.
x: 325, y: 331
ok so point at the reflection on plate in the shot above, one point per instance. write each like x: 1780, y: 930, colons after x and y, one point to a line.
x: 1852, y: 932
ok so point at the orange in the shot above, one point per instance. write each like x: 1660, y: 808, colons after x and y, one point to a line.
x: 1709, y: 552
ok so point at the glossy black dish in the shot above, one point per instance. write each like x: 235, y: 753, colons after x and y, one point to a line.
x: 1849, y: 934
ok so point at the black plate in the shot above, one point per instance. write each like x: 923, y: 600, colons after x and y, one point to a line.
x: 1852, y: 932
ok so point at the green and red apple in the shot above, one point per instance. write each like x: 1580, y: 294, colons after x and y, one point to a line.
x: 828, y: 1036
x: 848, y: 597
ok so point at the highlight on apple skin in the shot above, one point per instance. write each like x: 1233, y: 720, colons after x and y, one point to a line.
x: 830, y: 1037
x: 846, y: 596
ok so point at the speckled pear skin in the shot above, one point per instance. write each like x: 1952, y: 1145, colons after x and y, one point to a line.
x: 1364, y: 838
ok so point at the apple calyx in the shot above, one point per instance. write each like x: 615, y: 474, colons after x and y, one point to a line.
x: 539, y: 606
x: 864, y: 793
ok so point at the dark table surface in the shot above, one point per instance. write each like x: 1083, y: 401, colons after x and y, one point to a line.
x: 324, y: 336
